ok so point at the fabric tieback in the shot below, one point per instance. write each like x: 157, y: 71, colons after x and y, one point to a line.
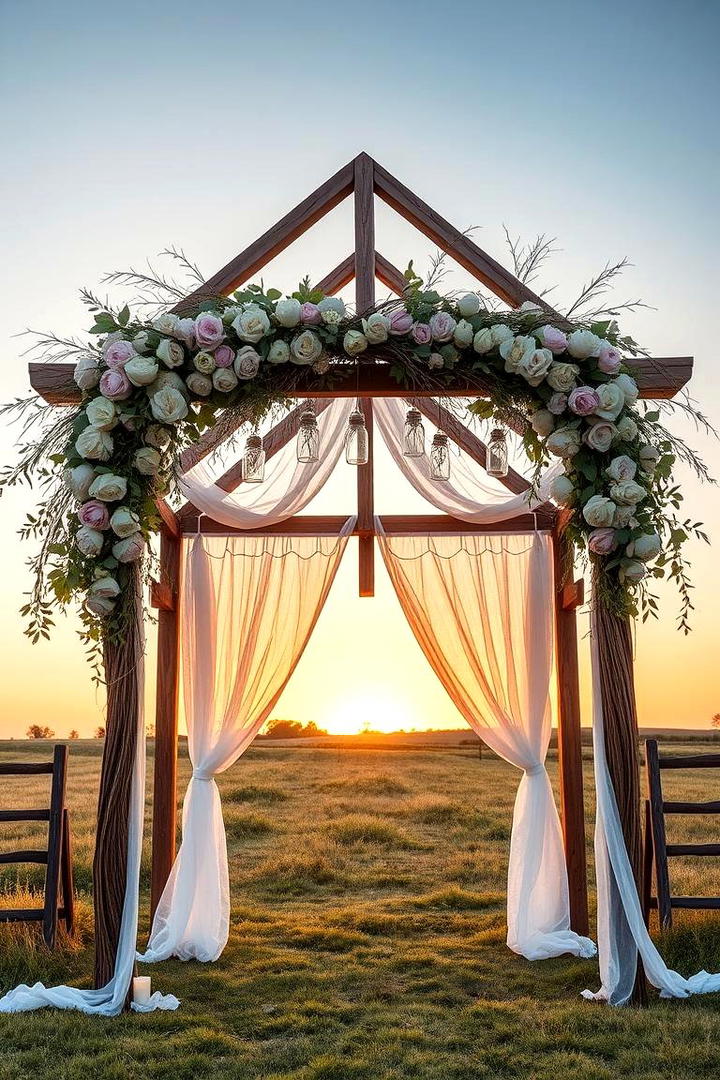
x: 535, y: 770
x: 197, y: 775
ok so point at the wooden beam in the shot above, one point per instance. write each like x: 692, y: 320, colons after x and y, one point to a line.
x: 657, y: 377
x: 166, y: 721
x: 393, y: 525
x: 573, y: 595
x: 162, y: 596
x: 168, y: 517
x: 365, y: 301
x: 226, y: 424
x: 338, y: 278
x: 276, y: 239
x: 460, y: 247
x: 569, y: 738
x: 390, y: 276
x: 299, y: 525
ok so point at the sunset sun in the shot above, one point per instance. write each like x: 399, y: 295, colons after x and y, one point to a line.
x: 373, y: 710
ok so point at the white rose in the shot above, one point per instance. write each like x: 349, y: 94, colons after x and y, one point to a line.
x: 157, y: 436
x: 535, y: 365
x: 101, y: 413
x: 199, y: 385
x: 562, y: 491
x: 612, y: 401
x: 627, y: 429
x: 247, y: 363
x: 582, y: 343
x: 170, y: 352
x: 436, y: 360
x: 204, y: 362
x: 354, y: 343
x: 632, y: 570
x: 649, y: 457
x: 141, y: 342
x: 279, y: 352
x: 287, y: 312
x: 561, y: 376
x: 376, y: 328
x: 230, y: 314
x: 563, y: 442
x: 629, y: 388
x: 645, y: 547
x: 124, y: 522
x: 164, y: 380
x: 252, y: 324
x: 168, y: 405
x: 331, y: 303
x: 306, y: 348
x: 79, y: 479
x: 529, y: 307
x: 224, y: 379
x: 621, y: 468
x: 185, y: 331
x: 94, y: 444
x: 599, y: 435
x: 468, y: 305
x: 513, y: 351
x: 90, y: 541
x: 464, y: 334
x: 542, y: 422
x: 623, y: 516
x: 129, y: 549
x: 104, y: 585
x: 627, y: 493
x: 331, y: 318
x: 108, y: 487
x: 147, y: 461
x: 87, y: 372
x: 99, y: 605
x: 483, y: 341
x: 165, y: 324
x: 141, y: 371
x: 500, y: 332
x: 599, y: 511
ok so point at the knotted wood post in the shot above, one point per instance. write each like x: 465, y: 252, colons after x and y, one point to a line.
x: 620, y: 729
x: 123, y: 674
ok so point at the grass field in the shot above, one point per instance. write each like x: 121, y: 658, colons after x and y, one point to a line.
x: 367, y: 940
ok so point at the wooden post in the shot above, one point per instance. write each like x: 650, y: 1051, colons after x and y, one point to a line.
x: 569, y: 736
x: 364, y: 300
x: 166, y: 720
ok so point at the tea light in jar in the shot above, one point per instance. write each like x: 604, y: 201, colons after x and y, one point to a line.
x: 141, y: 989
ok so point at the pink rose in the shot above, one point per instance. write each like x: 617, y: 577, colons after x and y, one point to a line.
x: 400, y: 322
x: 118, y: 353
x: 552, y: 339
x: 602, y: 541
x: 557, y: 404
x: 421, y: 333
x: 609, y: 359
x: 94, y: 514
x: 115, y: 385
x: 310, y: 314
x: 223, y: 356
x: 583, y: 400
x: 209, y: 330
x: 442, y: 326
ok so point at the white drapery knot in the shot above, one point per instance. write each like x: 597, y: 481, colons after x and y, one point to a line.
x: 535, y: 770
x: 197, y: 775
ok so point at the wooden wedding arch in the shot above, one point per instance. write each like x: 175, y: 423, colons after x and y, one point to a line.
x: 364, y: 178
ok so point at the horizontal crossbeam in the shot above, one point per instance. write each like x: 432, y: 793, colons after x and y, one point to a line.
x: 391, y: 524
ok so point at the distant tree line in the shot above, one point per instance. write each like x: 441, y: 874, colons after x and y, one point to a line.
x: 291, y: 729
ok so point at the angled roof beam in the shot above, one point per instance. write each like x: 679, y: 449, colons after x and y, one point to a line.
x: 276, y: 239
x: 344, y: 273
x: 460, y: 247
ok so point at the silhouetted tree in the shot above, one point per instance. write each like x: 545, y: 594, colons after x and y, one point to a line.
x: 100, y: 733
x: 37, y: 731
x: 74, y: 734
x: 715, y: 722
x: 291, y: 729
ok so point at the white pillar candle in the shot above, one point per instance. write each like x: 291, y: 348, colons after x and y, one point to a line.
x: 141, y: 989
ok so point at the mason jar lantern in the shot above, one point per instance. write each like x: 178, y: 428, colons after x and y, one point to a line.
x: 439, y: 457
x: 308, y: 438
x: 356, y: 440
x: 413, y: 435
x: 253, y: 470
x: 497, y: 454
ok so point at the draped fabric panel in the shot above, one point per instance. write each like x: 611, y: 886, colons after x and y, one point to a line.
x: 470, y: 494
x: 622, y: 933
x: 288, y: 485
x: 249, y: 606
x: 481, y: 609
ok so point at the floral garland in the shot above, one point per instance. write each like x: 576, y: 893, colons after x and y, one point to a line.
x: 150, y: 388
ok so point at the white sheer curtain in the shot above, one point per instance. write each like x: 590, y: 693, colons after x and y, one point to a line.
x: 288, y: 485
x: 249, y: 606
x: 481, y: 608
x: 621, y: 928
x: 470, y: 494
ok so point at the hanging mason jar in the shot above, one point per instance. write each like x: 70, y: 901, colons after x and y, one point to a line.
x: 253, y: 470
x: 414, y: 434
x: 440, y: 457
x: 308, y: 439
x: 497, y: 454
x: 356, y: 440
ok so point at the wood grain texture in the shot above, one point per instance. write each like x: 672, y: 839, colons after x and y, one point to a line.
x: 572, y: 800
x: 338, y: 278
x: 365, y: 301
x: 393, y: 525
x: 389, y: 275
x: 657, y: 378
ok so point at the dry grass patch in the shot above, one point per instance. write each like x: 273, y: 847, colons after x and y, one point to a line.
x: 437, y: 810
x: 454, y: 898
x: 247, y: 826
x: 301, y: 874
x: 363, y: 829
x: 255, y: 793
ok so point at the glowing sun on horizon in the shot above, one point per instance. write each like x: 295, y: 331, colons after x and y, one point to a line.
x: 374, y: 710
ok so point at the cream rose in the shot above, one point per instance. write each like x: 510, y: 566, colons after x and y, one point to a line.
x: 483, y: 341
x: 204, y: 362
x: 87, y: 372
x: 147, y: 461
x: 354, y: 343
x: 627, y: 429
x: 158, y: 436
x: 535, y: 365
x: 582, y: 344
x: 251, y: 325
x: 124, y: 522
x: 645, y: 547
x: 247, y: 363
x: 170, y: 352
x: 141, y: 342
x: 94, y: 444
x: 166, y: 323
x: 306, y: 348
x: 621, y: 468
x: 108, y: 488
x: 468, y: 305
x: 90, y: 541
x: 599, y: 436
x: 130, y: 549
x: 105, y: 586
x: 563, y: 442
x: 101, y: 413
x: 627, y: 493
x: 463, y: 334
x: 332, y: 303
x: 279, y: 352
x: 623, y: 516
x: 78, y: 480
x: 628, y: 386
x: 199, y: 385
x: 224, y: 379
x: 612, y: 401
x: 649, y: 457
x: 513, y: 351
x: 500, y: 332
x: 562, y: 376
x: 632, y: 570
x: 376, y: 328
x: 542, y: 422
x: 185, y: 331
x: 562, y: 491
x: 168, y: 405
x: 599, y: 511
x: 141, y: 370
x: 287, y: 312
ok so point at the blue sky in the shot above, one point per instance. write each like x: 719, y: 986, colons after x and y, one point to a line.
x: 128, y: 128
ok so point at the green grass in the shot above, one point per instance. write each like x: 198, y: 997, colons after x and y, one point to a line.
x: 366, y: 942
